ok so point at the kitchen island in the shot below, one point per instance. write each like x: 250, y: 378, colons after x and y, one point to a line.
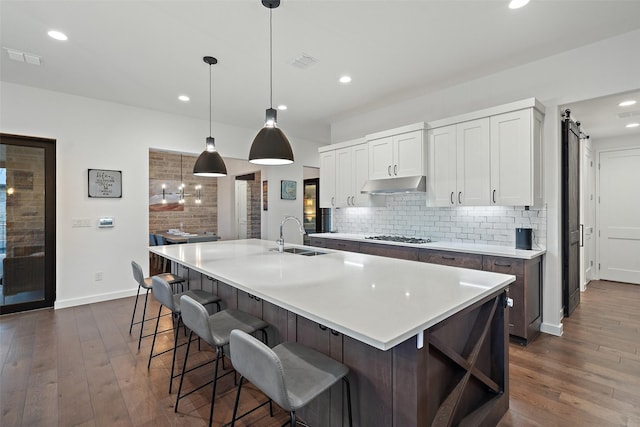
x: 426, y: 344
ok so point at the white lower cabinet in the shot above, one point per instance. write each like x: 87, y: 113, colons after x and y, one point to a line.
x: 458, y: 172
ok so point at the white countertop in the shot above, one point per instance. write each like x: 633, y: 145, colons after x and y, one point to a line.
x: 472, y: 248
x: 379, y: 301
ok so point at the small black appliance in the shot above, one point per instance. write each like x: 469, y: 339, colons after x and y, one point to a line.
x: 524, y: 238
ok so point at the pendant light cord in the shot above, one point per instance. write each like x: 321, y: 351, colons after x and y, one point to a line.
x: 210, y: 118
x: 271, y: 58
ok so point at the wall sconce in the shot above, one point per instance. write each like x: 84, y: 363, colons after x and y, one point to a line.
x: 181, y: 194
x: 198, y: 200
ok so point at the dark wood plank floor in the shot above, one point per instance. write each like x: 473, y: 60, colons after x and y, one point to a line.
x: 80, y: 367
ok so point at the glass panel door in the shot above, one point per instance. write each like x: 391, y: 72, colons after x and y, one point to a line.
x: 26, y: 223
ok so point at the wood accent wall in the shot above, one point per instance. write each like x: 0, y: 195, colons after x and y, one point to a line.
x: 254, y: 207
x: 165, y: 167
x: 25, y: 207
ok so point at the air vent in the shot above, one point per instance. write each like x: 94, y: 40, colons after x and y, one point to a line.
x: 303, y: 61
x: 628, y: 114
x: 20, y: 56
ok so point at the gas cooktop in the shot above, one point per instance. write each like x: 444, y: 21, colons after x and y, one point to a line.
x: 402, y: 239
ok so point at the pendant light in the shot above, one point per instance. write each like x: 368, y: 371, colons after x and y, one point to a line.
x: 209, y: 162
x: 271, y: 146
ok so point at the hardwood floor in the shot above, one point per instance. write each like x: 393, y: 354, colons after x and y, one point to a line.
x: 80, y: 367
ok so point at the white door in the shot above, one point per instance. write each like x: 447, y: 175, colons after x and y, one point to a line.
x: 344, y: 183
x: 241, y: 209
x: 381, y: 158
x: 442, y: 166
x: 360, y: 172
x: 408, y: 154
x: 328, y: 179
x: 619, y: 215
x: 588, y: 215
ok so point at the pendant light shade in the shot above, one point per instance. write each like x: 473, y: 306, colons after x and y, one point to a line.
x: 271, y: 146
x: 209, y: 162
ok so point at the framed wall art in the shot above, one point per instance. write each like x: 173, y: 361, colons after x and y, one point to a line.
x: 288, y: 190
x: 105, y: 183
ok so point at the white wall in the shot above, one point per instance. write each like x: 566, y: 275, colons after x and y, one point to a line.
x: 96, y: 134
x: 599, y: 69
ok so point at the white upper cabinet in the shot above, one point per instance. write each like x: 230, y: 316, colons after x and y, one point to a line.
x: 344, y: 169
x: 397, y: 153
x: 516, y: 158
x: 352, y: 171
x: 458, y: 172
x: 328, y: 179
x: 488, y: 157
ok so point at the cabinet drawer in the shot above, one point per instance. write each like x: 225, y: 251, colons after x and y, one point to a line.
x: 343, y: 245
x: 503, y: 265
x: 390, y: 251
x: 318, y: 242
x: 452, y: 259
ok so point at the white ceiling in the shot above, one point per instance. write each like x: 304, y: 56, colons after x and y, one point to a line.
x: 146, y: 53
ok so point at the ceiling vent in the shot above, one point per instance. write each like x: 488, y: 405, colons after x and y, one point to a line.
x: 628, y: 114
x: 303, y: 61
x: 20, y: 56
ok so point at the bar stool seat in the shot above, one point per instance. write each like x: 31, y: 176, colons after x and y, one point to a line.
x: 145, y: 283
x: 290, y: 374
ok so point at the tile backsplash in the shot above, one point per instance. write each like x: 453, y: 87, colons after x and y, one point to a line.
x: 407, y: 215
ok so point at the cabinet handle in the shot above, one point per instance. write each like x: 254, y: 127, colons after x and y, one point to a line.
x: 334, y: 332
x: 324, y: 328
x: 258, y: 299
x: 389, y: 170
x: 460, y: 197
x: 494, y: 196
x: 332, y: 201
x: 450, y: 258
x: 581, y: 235
x: 497, y: 264
x: 451, y: 197
x: 395, y: 169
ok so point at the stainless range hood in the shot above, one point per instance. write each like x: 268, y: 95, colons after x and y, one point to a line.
x: 409, y: 184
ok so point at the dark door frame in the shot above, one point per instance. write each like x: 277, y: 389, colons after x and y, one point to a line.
x: 49, y: 146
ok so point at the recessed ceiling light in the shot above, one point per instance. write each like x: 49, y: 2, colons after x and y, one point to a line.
x: 517, y: 4
x: 57, y: 35
x: 627, y: 103
x: 633, y: 125
x: 345, y: 79
x: 282, y: 107
x: 184, y: 98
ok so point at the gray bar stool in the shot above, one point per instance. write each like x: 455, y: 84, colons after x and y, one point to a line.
x: 290, y: 374
x: 163, y: 294
x: 214, y: 330
x: 145, y: 283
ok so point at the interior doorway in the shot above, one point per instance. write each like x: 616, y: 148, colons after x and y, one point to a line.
x: 27, y: 223
x: 588, y: 213
x: 248, y: 197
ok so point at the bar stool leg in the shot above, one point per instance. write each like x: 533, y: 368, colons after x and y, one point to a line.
x: 135, y: 306
x: 175, y: 346
x: 235, y: 406
x: 215, y: 383
x: 144, y: 313
x: 153, y: 342
x: 184, y: 368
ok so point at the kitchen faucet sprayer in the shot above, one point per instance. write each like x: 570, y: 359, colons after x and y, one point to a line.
x: 280, y: 241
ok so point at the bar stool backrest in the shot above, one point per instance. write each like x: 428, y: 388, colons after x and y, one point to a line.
x: 162, y: 292
x: 259, y: 365
x: 196, y: 318
x: 138, y: 275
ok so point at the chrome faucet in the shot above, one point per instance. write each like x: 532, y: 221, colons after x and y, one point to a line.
x: 280, y: 241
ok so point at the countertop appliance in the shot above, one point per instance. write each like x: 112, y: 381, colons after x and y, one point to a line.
x: 402, y: 239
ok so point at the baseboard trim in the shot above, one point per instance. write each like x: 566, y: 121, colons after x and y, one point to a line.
x: 94, y: 298
x: 548, y: 328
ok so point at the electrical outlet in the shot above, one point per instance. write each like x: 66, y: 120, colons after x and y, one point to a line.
x: 97, y: 276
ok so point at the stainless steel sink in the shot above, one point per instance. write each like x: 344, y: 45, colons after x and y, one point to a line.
x: 304, y: 251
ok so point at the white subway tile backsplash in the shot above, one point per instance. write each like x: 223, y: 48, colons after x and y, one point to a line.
x: 408, y: 215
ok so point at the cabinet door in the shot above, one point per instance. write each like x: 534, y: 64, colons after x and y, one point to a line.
x: 344, y: 182
x: 250, y: 304
x: 381, y: 158
x: 472, y: 171
x: 408, y: 154
x: 511, y: 159
x: 360, y: 173
x: 343, y: 245
x: 452, y: 259
x: 327, y: 179
x: 389, y: 251
x: 442, y: 166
